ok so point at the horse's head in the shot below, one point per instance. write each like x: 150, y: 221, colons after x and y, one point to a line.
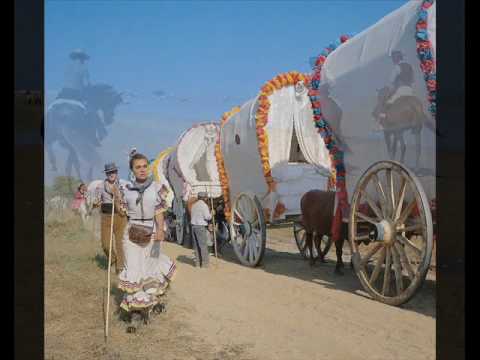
x: 104, y: 97
x: 382, y: 97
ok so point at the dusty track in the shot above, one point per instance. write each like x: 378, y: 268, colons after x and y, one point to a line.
x: 282, y: 310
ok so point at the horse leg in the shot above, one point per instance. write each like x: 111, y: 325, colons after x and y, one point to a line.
x: 418, y: 147
x: 309, y: 240
x: 339, y: 253
x: 388, y: 142
x: 403, y: 147
x: 52, y: 157
x: 318, y: 242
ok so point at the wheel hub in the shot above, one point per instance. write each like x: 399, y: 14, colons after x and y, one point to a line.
x: 384, y: 231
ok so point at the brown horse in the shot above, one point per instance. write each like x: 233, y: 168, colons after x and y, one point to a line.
x: 317, y: 208
x: 405, y: 113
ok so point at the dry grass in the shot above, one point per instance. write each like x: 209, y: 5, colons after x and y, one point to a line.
x: 75, y: 282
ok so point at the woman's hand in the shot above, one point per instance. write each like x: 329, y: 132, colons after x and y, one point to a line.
x: 159, y: 235
x: 155, y: 252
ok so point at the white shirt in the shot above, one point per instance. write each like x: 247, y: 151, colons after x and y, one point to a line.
x: 200, y: 213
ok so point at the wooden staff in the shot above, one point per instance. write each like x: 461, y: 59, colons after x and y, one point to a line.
x: 109, y: 265
x: 213, y: 222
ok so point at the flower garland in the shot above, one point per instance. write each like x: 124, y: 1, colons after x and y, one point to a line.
x: 261, y: 117
x: 425, y: 54
x: 336, y: 154
x: 157, y: 161
x: 224, y: 181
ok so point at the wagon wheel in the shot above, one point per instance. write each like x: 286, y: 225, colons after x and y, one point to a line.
x: 300, y: 237
x: 179, y: 212
x: 248, y: 230
x: 392, y: 254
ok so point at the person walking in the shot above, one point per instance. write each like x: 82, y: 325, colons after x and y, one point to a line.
x: 200, y: 216
x: 147, y: 271
x: 113, y: 188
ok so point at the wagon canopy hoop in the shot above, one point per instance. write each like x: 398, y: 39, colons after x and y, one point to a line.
x: 391, y: 232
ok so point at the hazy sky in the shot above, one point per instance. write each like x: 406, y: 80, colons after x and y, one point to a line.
x: 181, y: 62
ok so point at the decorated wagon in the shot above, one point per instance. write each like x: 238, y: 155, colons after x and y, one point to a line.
x: 365, y: 127
x: 269, y: 155
x: 381, y: 84
x: 191, y: 168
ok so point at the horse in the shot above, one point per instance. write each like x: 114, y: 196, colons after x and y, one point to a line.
x: 405, y: 113
x: 317, y: 208
x: 80, y: 127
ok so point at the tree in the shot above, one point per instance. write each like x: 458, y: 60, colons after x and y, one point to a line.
x: 65, y: 186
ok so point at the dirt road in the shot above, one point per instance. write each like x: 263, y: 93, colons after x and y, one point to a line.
x: 282, y: 310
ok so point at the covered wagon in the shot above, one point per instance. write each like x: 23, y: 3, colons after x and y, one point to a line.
x: 373, y: 98
x: 191, y: 168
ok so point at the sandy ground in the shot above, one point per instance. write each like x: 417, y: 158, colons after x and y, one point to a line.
x: 282, y: 310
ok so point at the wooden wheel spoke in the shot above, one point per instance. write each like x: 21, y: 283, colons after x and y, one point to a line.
x: 404, y: 261
x: 410, y: 244
x: 369, y: 254
x: 378, y: 267
x: 401, y: 198
x: 381, y: 195
x: 390, y: 192
x: 412, y: 228
x: 398, y: 271
x: 238, y: 215
x: 403, y: 217
x: 372, y: 204
x: 362, y: 237
x: 366, y: 218
x: 386, y: 275
x: 245, y: 250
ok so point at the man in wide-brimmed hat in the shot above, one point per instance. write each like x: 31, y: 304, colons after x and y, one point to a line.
x: 77, y: 77
x: 112, y: 190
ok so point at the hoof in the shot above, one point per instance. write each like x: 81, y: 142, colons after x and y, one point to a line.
x: 338, y: 271
x: 131, y: 329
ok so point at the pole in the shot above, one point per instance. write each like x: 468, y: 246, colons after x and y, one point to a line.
x: 109, y: 264
x: 214, y: 227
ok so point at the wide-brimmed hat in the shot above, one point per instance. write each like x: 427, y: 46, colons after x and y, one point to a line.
x: 79, y: 54
x: 110, y: 167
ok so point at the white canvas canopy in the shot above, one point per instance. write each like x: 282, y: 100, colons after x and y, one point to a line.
x: 352, y: 77
x: 192, y: 166
x: 298, y: 157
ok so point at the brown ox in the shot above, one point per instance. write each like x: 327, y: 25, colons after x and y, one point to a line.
x: 317, y: 216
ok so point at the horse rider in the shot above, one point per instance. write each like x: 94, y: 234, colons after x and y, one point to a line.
x: 401, y: 78
x: 77, y: 77
x: 113, y: 188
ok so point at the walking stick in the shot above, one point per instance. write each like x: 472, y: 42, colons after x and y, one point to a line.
x: 109, y: 264
x: 214, y: 230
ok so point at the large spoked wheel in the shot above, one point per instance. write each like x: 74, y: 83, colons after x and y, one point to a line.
x: 300, y: 239
x: 390, y: 232
x: 180, y: 219
x: 248, y: 230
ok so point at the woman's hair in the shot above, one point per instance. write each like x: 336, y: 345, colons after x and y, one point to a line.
x: 80, y: 186
x: 137, y: 156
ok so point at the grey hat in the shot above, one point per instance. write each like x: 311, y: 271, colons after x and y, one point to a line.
x: 110, y: 167
x: 202, y: 195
